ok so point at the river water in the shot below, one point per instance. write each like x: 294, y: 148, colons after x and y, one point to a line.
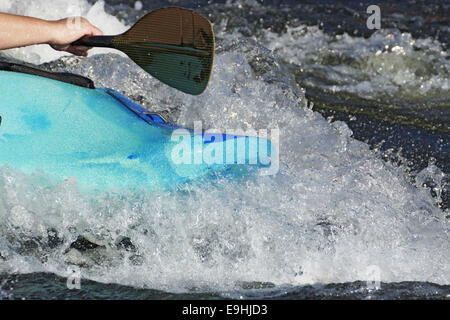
x: 361, y: 197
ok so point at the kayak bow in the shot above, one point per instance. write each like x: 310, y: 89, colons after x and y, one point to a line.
x: 102, y: 138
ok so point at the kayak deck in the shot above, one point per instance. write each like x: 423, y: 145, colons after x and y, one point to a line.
x: 100, y: 137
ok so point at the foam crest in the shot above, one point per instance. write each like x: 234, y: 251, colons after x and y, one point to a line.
x: 388, y: 64
x: 333, y: 211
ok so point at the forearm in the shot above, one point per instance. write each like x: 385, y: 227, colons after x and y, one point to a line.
x: 19, y: 31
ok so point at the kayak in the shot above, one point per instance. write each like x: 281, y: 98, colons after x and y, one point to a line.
x: 64, y: 126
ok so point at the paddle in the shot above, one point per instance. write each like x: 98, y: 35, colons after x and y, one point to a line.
x: 175, y: 45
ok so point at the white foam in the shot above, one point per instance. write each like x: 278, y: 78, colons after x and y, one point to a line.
x: 334, y: 210
x: 389, y: 63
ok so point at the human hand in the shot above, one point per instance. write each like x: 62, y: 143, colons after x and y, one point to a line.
x: 68, y: 30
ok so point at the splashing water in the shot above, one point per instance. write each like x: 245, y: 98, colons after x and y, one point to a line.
x: 334, y: 209
x: 389, y: 64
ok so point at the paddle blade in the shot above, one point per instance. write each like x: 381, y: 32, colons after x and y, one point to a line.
x: 175, y: 45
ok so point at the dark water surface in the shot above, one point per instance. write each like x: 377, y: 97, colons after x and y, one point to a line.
x: 51, y: 287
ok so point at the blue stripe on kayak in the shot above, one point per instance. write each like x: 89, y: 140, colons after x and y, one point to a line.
x: 156, y: 119
x: 144, y: 114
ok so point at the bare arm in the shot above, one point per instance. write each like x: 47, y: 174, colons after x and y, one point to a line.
x: 20, y: 31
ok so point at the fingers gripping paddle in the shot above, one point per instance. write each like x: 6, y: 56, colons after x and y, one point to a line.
x: 174, y: 45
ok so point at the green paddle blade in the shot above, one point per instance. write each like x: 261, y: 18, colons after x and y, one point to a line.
x: 174, y: 45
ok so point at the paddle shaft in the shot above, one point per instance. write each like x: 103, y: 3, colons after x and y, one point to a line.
x: 95, y: 41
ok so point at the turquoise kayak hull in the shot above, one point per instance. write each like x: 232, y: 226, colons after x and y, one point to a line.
x: 103, y: 139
